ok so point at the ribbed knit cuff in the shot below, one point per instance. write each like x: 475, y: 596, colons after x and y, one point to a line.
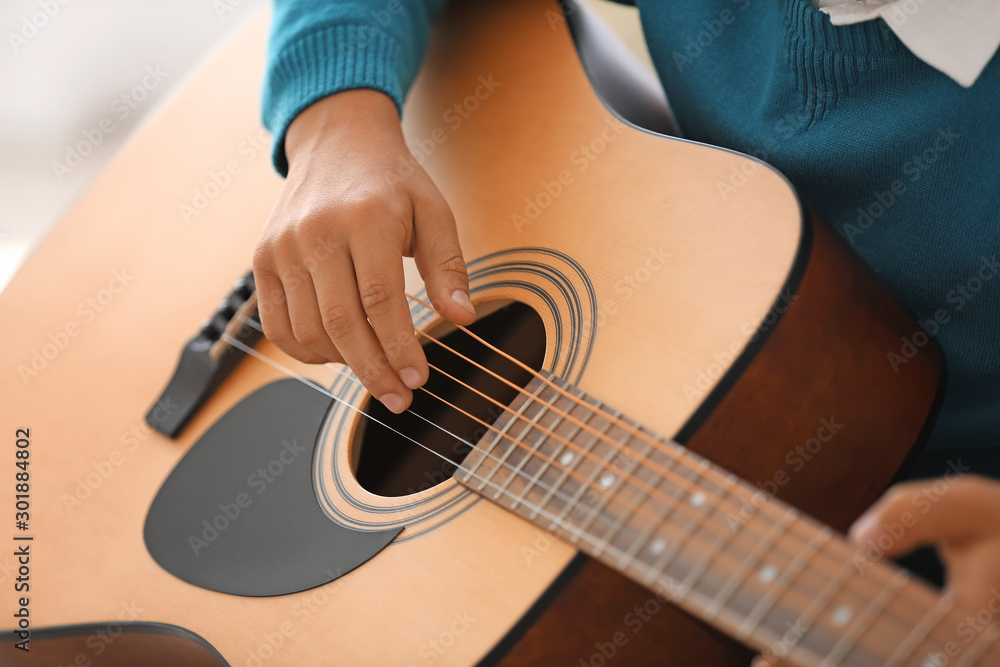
x: 324, y: 62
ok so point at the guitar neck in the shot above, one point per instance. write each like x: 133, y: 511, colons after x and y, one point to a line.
x: 724, y: 550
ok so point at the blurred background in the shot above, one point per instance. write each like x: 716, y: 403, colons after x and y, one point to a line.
x: 75, y: 71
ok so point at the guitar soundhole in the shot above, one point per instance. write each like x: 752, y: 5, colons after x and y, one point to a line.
x: 389, y: 464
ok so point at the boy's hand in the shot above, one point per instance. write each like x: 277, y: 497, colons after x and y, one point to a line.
x: 328, y: 265
x: 961, y: 516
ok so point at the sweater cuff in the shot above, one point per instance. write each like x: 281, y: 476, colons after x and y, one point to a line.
x: 323, y: 62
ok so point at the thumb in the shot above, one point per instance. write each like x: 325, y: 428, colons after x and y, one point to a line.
x: 944, y: 510
x: 439, y: 259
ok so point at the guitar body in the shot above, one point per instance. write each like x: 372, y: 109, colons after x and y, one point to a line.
x: 656, y: 294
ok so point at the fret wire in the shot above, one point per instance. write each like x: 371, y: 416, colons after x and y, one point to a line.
x: 573, y: 466
x: 626, y: 514
x: 860, y: 624
x: 672, y: 456
x: 681, y: 453
x: 691, y: 596
x: 983, y: 644
x: 587, y: 484
x: 547, y: 462
x: 600, y: 467
x: 555, y: 520
x: 610, y: 492
x: 658, y: 570
x: 501, y: 434
x: 764, y: 605
x: 919, y: 631
x: 599, y: 545
x: 662, y: 514
x: 691, y: 580
x: 753, y: 558
x: 528, y: 426
x: 978, y: 646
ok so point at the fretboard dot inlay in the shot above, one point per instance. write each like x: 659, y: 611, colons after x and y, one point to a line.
x: 841, y: 615
x: 662, y: 516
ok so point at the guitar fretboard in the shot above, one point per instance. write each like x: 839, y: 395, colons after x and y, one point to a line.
x: 713, y: 544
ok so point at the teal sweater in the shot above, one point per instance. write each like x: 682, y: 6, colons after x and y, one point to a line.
x: 904, y: 162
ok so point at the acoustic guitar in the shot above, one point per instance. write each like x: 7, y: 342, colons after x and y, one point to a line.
x: 602, y: 470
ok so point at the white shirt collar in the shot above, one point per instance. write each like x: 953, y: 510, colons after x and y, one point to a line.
x: 956, y: 37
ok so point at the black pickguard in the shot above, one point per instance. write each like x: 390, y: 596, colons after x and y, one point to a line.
x: 238, y: 513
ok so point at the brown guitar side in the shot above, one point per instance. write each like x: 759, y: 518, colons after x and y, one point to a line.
x: 835, y: 336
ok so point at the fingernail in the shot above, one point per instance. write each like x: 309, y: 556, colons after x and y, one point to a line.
x: 862, y: 527
x: 410, y: 377
x: 394, y: 402
x: 461, y: 298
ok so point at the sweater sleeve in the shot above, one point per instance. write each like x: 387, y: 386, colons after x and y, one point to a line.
x: 318, y: 48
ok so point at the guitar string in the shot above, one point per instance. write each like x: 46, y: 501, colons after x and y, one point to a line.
x: 707, y: 472
x: 887, y: 573
x: 556, y: 492
x: 687, y: 485
x: 683, y: 599
x: 883, y: 575
x: 670, y: 502
x: 722, y: 504
x: 556, y: 520
x: 695, y: 539
x: 679, y: 455
x: 612, y: 499
x: 257, y: 355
